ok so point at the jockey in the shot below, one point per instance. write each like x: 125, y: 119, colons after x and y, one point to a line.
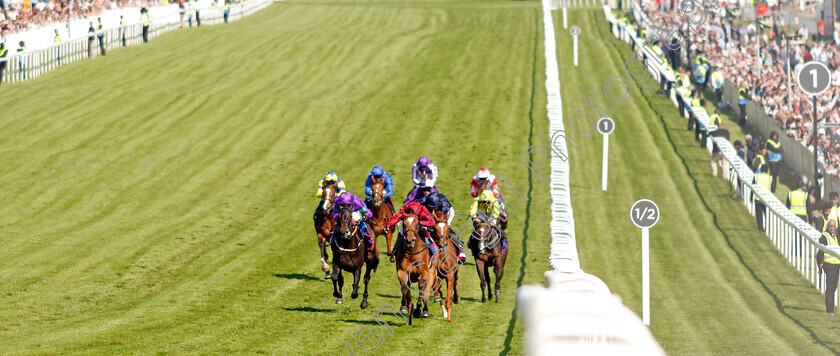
x: 377, y: 173
x: 426, y: 221
x: 487, y: 204
x: 330, y: 179
x: 479, y: 183
x: 359, y: 209
x: 417, y: 193
x: 424, y: 169
x: 436, y: 201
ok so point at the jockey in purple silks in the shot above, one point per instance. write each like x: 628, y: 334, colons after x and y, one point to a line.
x: 424, y: 169
x: 357, y: 205
x: 417, y: 193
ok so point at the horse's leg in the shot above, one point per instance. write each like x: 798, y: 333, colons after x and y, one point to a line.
x: 338, y: 283
x: 421, y: 298
x: 455, y: 297
x: 406, y: 293
x: 431, y: 278
x: 367, y: 280
x: 479, y: 266
x: 500, y: 271
x: 450, y: 286
x: 388, y: 236
x: 488, y: 280
x: 357, y: 276
x: 322, y: 244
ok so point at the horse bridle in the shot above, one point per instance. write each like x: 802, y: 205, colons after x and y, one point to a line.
x: 352, y: 234
x: 417, y: 236
x: 492, y: 243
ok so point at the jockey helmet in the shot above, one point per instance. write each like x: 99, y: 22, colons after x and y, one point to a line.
x: 423, y: 161
x: 331, y: 177
x: 377, y: 171
x: 483, y: 173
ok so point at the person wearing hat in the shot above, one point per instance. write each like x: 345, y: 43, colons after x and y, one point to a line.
x: 147, y: 19
x: 829, y: 264
x: 3, y: 52
x: 775, y: 157
x: 101, y: 29
x: 739, y: 148
x: 797, y: 201
x: 759, y: 163
x: 752, y: 151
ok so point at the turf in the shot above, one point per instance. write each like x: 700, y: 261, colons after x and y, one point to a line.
x: 160, y: 199
x: 718, y: 285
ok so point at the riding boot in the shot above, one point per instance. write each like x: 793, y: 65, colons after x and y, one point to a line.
x: 391, y: 204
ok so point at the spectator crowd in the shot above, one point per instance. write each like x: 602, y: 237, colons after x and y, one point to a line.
x: 14, y: 18
x: 736, y: 57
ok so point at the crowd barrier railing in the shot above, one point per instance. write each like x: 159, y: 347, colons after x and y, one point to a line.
x: 31, y: 64
x: 795, y: 239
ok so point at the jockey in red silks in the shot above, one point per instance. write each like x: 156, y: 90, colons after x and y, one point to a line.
x: 426, y: 220
x: 359, y: 209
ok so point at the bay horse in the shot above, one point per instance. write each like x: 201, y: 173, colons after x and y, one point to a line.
x: 350, y: 254
x: 447, y: 265
x: 414, y: 264
x: 488, y: 251
x: 381, y: 213
x: 324, y: 224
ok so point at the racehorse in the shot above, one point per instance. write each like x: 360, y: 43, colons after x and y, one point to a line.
x: 381, y: 213
x: 324, y: 225
x: 488, y: 251
x: 350, y: 254
x: 447, y: 265
x: 414, y: 264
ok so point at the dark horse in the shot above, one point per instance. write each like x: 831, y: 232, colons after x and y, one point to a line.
x: 324, y: 225
x: 349, y: 254
x: 414, y: 264
x: 381, y: 213
x: 487, y: 250
x: 447, y: 265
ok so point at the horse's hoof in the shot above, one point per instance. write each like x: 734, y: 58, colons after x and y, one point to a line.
x: 364, y: 304
x: 483, y: 300
x: 416, y: 313
x: 327, y: 275
x: 456, y: 298
x: 426, y: 314
x: 497, y: 299
x: 354, y: 295
x: 437, y: 299
x: 403, y: 309
x: 324, y: 266
x: 337, y: 294
x: 339, y: 301
x: 392, y: 258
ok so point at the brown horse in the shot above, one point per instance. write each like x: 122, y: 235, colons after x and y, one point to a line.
x: 447, y: 265
x: 349, y: 254
x: 381, y: 213
x: 488, y: 251
x: 324, y: 224
x: 414, y: 264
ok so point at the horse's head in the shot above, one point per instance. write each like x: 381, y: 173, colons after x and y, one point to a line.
x: 441, y: 226
x: 345, y: 221
x: 329, y: 196
x: 378, y: 188
x: 411, y: 229
x: 484, y: 233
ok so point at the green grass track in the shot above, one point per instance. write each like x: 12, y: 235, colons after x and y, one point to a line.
x: 159, y: 199
x: 719, y: 287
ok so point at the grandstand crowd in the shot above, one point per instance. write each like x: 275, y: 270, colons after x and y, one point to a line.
x: 16, y: 18
x: 736, y: 58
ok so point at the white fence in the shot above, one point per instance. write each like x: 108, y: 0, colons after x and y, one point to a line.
x: 577, y: 314
x: 797, y: 241
x: 31, y: 64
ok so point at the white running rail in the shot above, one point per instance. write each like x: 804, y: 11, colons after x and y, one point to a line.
x: 577, y: 313
x: 30, y: 64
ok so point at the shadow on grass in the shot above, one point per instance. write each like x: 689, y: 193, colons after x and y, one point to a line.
x: 298, y: 276
x: 389, y: 296
x: 365, y: 322
x: 309, y: 309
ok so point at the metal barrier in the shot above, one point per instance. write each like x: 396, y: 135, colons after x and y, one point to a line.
x: 797, y: 241
x: 31, y: 64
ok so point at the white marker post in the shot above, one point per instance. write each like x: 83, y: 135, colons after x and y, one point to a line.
x: 606, y: 126
x: 565, y: 4
x: 644, y: 214
x: 575, y: 31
